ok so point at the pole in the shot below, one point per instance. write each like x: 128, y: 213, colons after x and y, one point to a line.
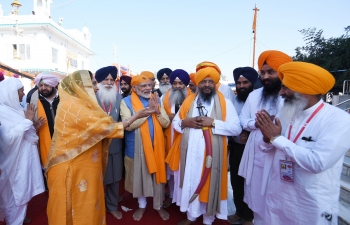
x: 254, y: 31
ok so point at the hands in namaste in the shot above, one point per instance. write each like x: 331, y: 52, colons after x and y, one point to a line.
x: 268, y: 128
x: 154, y: 103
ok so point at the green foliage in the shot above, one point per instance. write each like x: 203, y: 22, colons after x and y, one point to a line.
x: 332, y: 54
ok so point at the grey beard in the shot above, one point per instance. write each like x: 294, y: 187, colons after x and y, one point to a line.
x: 164, y: 87
x: 291, y: 109
x: 177, y: 96
x: 107, y: 95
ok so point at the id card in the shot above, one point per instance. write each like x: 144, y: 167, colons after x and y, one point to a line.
x: 286, y: 171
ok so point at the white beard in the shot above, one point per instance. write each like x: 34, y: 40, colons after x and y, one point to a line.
x: 291, y: 109
x: 141, y: 94
x: 164, y: 87
x: 177, y: 96
x: 107, y: 95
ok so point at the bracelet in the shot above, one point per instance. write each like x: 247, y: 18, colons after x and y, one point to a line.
x: 128, y: 122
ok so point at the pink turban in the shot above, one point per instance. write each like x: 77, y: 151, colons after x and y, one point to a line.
x: 46, y: 78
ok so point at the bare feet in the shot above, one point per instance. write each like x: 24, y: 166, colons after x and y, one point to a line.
x: 167, y: 203
x: 164, y: 214
x: 233, y: 218
x: 185, y: 222
x: 116, y: 214
x: 248, y: 223
x: 138, y: 214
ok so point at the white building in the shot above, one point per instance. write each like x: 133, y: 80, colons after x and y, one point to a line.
x: 43, y: 45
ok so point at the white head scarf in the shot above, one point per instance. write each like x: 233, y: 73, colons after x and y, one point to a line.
x: 9, y: 94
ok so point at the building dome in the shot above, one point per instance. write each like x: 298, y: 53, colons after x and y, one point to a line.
x: 86, y: 30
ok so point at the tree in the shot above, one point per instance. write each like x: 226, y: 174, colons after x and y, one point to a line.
x: 333, y: 54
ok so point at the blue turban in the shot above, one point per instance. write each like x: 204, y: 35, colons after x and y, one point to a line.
x: 247, y: 72
x: 181, y: 74
x: 163, y: 71
x: 103, y: 73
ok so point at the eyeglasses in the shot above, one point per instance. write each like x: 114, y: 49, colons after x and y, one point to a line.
x: 269, y: 72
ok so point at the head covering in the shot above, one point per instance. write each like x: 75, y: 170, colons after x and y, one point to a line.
x: 163, y: 71
x: 207, y: 69
x: 47, y: 78
x: 181, y: 74
x: 103, y: 73
x: 136, y: 80
x: 2, y: 76
x: 273, y: 58
x: 306, y: 78
x: 148, y: 74
x: 248, y: 72
x: 9, y: 94
x: 192, y: 76
x: 126, y: 79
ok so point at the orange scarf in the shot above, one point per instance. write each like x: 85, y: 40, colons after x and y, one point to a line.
x: 154, y: 155
x: 173, y: 158
x: 44, y: 135
x: 167, y: 131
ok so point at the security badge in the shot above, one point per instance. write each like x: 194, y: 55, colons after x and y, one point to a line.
x: 286, y: 170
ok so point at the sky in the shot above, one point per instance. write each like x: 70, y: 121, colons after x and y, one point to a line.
x: 151, y: 34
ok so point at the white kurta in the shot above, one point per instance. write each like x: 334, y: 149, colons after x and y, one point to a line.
x: 21, y: 177
x: 195, y: 159
x: 253, y: 160
x: 317, y: 169
x: 227, y: 92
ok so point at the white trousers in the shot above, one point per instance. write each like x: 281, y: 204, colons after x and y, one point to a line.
x: 14, y: 215
x: 258, y: 220
x: 208, y: 220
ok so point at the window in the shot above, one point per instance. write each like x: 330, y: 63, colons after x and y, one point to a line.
x: 22, y: 52
x: 54, y: 55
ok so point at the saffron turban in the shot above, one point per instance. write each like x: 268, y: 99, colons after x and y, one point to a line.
x: 136, y: 80
x: 148, y: 74
x: 247, y: 72
x: 306, y: 78
x: 273, y: 58
x: 103, y: 73
x: 126, y: 79
x: 207, y: 69
x: 47, y: 78
x: 181, y: 74
x: 192, y: 76
x: 163, y: 71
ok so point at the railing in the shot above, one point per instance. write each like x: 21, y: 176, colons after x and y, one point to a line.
x: 346, y: 87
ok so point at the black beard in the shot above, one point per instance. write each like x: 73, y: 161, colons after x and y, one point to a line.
x: 243, y: 95
x: 48, y: 94
x: 126, y: 91
x: 206, y: 97
x: 271, y: 91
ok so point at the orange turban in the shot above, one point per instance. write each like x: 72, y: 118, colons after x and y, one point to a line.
x: 148, y: 74
x: 136, y: 80
x: 192, y: 76
x: 207, y: 69
x: 306, y: 78
x: 273, y: 58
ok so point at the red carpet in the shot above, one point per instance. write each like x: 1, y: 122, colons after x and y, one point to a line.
x: 37, y: 213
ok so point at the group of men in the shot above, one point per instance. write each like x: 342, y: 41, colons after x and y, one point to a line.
x: 284, y: 162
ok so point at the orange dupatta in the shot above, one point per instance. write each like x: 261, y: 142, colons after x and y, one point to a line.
x: 154, y: 155
x: 173, y: 158
x: 44, y: 135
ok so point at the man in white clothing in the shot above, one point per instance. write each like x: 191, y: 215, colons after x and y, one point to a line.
x: 20, y: 177
x: 219, y: 115
x: 308, y: 141
x: 252, y: 162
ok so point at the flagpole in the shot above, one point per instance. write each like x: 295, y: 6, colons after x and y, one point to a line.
x: 254, y: 31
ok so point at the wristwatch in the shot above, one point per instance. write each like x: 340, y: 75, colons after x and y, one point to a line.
x: 213, y: 123
x: 273, y: 138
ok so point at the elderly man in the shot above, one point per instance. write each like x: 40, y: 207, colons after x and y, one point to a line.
x: 163, y: 77
x: 308, y: 141
x: 125, y: 86
x: 245, y: 78
x: 172, y: 102
x: 267, y: 98
x: 109, y: 100
x: 192, y: 85
x: 145, y: 172
x: 20, y: 170
x: 46, y: 100
x: 203, y: 122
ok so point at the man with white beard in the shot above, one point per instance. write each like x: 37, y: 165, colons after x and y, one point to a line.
x: 109, y: 100
x: 307, y: 143
x: 163, y: 77
x: 253, y: 160
x: 172, y: 101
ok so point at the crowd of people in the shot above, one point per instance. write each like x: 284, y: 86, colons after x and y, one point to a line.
x: 80, y: 137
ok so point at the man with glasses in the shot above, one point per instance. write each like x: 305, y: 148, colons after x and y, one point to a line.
x: 266, y: 98
x: 163, y: 77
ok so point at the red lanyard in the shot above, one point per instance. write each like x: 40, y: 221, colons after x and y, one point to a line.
x: 303, y: 128
x: 109, y: 109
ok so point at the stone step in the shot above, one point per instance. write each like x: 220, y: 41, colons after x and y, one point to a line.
x: 346, y: 167
x: 345, y: 189
x: 344, y: 213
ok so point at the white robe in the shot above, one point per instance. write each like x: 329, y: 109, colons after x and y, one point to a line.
x: 317, y: 169
x: 195, y: 159
x: 253, y: 160
x: 21, y: 177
